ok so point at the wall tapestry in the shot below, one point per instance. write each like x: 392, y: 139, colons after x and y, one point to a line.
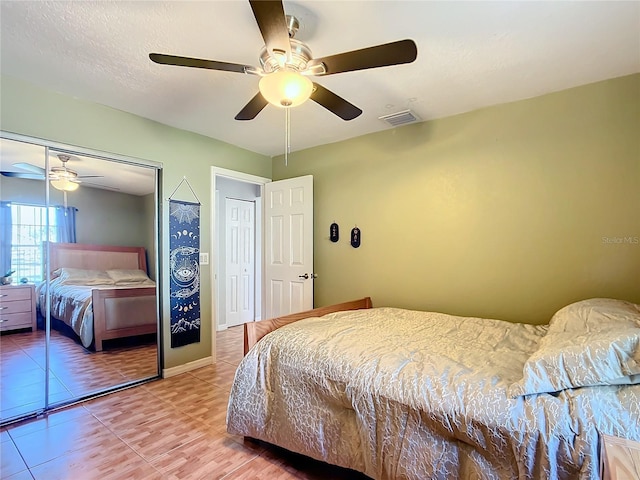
x: 184, y: 272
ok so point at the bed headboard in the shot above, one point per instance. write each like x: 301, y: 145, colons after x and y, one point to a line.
x: 96, y: 257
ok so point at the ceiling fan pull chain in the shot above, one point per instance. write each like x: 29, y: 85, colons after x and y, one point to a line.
x: 287, y: 136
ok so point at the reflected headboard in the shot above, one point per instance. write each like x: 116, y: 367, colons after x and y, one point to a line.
x: 96, y: 257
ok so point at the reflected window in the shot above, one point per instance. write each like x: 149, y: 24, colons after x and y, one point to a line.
x: 28, y: 232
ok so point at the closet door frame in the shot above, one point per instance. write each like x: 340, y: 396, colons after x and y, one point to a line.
x: 153, y: 263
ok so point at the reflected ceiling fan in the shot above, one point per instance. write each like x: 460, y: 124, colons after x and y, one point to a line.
x: 286, y: 64
x: 61, y: 178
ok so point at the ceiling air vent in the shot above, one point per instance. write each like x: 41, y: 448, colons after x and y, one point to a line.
x: 400, y: 118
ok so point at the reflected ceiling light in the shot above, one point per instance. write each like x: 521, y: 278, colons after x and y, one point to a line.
x: 285, y: 88
x: 62, y: 178
x: 64, y: 184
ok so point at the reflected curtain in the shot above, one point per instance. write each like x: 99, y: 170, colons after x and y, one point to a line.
x: 5, y: 237
x: 66, y: 224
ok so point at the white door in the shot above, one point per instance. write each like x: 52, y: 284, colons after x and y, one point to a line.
x: 240, y: 261
x: 288, y: 254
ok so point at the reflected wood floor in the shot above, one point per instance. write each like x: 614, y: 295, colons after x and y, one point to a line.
x: 74, y: 370
x: 167, y: 429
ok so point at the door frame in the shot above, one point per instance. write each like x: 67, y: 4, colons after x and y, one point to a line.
x: 216, y: 255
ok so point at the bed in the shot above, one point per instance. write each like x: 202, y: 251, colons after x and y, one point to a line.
x: 102, y: 292
x: 396, y: 393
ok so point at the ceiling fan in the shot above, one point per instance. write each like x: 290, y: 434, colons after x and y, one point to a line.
x: 286, y: 64
x: 62, y: 177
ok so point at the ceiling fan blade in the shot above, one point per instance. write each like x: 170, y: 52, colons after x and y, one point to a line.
x: 394, y: 53
x: 30, y: 167
x: 253, y: 108
x: 30, y: 176
x: 89, y: 176
x: 334, y: 103
x: 199, y: 63
x: 273, y: 25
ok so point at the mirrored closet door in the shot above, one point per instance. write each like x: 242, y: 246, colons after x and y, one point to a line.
x: 78, y: 254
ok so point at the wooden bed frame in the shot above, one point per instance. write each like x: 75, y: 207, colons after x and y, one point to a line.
x: 254, y: 331
x: 110, y: 306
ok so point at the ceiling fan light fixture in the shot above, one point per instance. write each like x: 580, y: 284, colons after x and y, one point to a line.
x: 64, y: 184
x: 285, y: 88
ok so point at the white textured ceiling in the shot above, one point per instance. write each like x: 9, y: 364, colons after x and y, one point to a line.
x: 470, y: 55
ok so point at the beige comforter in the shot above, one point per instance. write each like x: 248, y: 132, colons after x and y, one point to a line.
x: 403, y: 394
x: 73, y: 305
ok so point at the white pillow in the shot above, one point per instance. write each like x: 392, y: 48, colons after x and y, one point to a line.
x: 595, y: 314
x: 570, y: 360
x: 589, y: 343
x: 129, y: 277
x: 79, y: 276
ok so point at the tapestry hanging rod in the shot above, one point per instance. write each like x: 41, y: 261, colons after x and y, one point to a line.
x: 184, y: 179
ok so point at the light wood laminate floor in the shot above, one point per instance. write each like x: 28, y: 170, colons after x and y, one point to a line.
x: 167, y: 429
x: 74, y: 370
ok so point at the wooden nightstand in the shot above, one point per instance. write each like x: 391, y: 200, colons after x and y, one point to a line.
x: 17, y: 307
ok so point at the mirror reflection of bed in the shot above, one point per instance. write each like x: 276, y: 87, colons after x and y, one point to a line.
x: 102, y: 292
x: 103, y: 315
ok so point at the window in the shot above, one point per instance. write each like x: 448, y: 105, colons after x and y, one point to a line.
x: 28, y: 232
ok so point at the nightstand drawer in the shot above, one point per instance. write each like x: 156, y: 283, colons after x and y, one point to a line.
x: 10, y: 294
x: 18, y: 306
x: 16, y: 320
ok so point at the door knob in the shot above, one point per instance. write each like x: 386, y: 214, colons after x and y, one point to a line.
x: 305, y: 276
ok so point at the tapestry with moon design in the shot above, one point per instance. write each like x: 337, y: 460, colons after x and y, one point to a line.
x: 184, y: 272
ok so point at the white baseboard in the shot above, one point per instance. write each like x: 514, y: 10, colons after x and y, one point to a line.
x: 173, y: 371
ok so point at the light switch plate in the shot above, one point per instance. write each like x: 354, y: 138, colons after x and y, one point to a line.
x: 204, y: 259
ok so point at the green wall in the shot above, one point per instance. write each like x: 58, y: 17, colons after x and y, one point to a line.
x: 507, y: 212
x: 29, y: 110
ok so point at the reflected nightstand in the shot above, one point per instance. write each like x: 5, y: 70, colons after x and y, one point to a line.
x: 17, y: 307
